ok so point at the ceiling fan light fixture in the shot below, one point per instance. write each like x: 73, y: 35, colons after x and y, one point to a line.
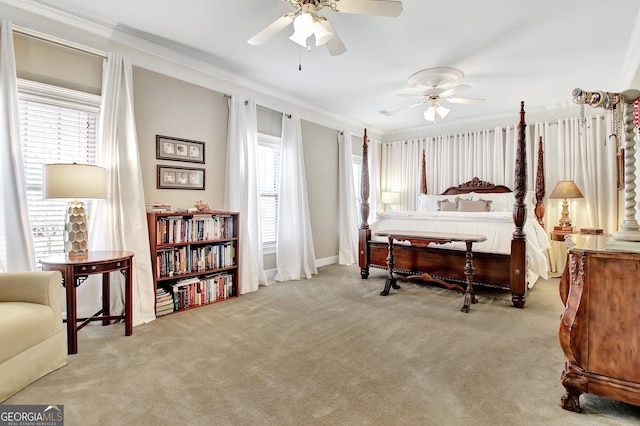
x: 435, y: 111
x: 442, y: 111
x: 303, y: 24
x: 321, y: 33
x: 430, y: 114
x: 299, y: 38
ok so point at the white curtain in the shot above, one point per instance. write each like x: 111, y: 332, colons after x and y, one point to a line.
x: 241, y: 190
x: 374, y: 180
x: 16, y: 244
x: 581, y: 150
x: 294, y: 248
x: 400, y: 171
x: 120, y: 222
x: 348, y: 213
x: 450, y: 160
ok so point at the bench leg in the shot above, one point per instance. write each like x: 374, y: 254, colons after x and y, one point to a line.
x: 391, y: 280
x: 469, y: 294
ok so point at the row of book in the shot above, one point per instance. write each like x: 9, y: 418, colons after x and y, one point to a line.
x: 193, y: 292
x: 189, y: 259
x: 184, y: 229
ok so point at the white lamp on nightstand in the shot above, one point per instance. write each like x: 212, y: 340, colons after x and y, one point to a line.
x: 565, y: 189
x: 389, y: 198
x: 75, y: 182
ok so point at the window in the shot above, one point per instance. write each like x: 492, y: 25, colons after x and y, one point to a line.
x: 269, y: 170
x: 56, y: 126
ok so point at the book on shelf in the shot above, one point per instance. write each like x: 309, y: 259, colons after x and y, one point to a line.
x: 591, y: 231
x: 203, y: 290
x: 158, y: 207
x: 164, y: 310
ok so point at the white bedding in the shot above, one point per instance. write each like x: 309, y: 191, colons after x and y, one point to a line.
x: 498, y: 227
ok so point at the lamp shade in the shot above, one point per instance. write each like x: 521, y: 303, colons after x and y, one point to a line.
x: 74, y: 181
x: 321, y: 32
x: 566, y: 189
x: 435, y: 111
x: 390, y: 197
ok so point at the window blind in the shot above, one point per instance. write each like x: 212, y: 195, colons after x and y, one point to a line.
x: 269, y: 170
x: 53, y: 131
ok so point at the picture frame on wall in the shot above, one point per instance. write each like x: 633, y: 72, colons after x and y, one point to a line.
x: 172, y: 177
x: 169, y: 148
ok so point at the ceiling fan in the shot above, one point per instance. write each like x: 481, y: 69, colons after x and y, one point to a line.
x: 440, y: 86
x: 307, y: 22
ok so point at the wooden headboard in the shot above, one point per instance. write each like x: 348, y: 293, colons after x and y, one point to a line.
x: 475, y: 185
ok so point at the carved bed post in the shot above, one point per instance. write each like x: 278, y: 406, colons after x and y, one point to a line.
x: 364, y: 233
x: 519, y: 240
x: 539, y: 209
x: 423, y: 174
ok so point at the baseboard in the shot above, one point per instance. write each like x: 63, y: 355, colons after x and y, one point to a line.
x: 271, y: 273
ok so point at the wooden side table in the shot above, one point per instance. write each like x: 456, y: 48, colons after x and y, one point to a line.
x: 558, y: 251
x: 75, y: 271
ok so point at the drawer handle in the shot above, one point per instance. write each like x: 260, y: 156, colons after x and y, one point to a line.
x: 84, y: 268
x: 93, y: 268
x: 118, y: 264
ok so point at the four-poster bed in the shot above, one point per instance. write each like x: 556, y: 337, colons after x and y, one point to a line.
x: 513, y: 249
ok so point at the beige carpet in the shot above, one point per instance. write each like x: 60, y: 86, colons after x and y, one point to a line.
x: 329, y: 351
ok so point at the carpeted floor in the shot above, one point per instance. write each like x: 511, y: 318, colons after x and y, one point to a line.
x: 329, y: 351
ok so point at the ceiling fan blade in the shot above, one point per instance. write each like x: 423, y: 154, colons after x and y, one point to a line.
x: 411, y: 95
x: 395, y: 111
x: 370, y: 7
x: 275, y: 27
x: 464, y: 100
x: 456, y: 89
x: 335, y: 46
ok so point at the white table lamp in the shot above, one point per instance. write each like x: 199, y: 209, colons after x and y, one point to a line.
x: 74, y: 181
x: 389, y: 198
x: 565, y: 189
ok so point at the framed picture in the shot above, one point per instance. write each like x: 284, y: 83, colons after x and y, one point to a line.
x: 168, y: 148
x: 171, y: 177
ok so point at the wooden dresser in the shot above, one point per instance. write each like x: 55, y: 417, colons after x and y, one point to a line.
x: 600, y: 326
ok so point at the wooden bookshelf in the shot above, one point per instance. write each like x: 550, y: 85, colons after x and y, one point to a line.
x: 194, y: 257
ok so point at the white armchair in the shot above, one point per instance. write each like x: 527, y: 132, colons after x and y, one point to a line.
x: 33, y: 338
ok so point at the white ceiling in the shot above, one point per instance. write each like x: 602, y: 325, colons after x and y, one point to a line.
x: 535, y: 51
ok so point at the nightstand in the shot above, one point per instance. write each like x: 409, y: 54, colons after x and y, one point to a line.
x: 558, y: 251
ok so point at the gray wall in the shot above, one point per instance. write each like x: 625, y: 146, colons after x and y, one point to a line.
x: 170, y: 107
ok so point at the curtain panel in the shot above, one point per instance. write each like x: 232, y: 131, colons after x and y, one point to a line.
x: 16, y: 244
x: 120, y: 223
x: 241, y: 190
x: 294, y: 248
x: 348, y: 210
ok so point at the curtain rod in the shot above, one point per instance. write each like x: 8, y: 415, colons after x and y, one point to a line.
x: 58, y: 41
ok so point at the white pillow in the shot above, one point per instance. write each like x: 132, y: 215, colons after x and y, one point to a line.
x: 504, y: 201
x: 501, y: 202
x: 429, y: 202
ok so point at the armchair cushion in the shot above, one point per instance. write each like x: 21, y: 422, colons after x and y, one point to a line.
x: 33, y: 338
x: 23, y: 325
